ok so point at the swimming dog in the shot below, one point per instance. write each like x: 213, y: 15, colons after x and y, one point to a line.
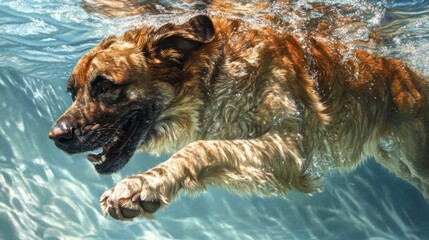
x: 249, y: 109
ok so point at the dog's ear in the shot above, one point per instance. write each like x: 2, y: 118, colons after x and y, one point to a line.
x: 173, y: 43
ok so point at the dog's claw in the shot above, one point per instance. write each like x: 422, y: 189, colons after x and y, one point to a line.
x: 125, y: 212
x: 150, y: 207
x: 112, y: 213
x: 129, y: 213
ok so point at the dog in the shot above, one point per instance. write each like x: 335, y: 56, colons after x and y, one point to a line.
x: 239, y: 107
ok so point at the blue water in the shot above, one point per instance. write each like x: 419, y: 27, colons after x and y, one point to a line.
x: 46, y: 194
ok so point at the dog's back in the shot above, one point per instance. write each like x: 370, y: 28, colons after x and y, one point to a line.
x: 346, y: 105
x: 379, y: 108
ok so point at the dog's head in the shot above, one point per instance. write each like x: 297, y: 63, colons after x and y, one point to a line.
x: 122, y: 87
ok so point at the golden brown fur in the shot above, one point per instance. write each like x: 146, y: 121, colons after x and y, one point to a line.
x: 251, y: 110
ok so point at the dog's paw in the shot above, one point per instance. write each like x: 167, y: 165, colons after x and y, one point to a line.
x: 133, y: 197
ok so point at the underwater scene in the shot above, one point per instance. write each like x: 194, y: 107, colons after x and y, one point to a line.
x: 48, y: 194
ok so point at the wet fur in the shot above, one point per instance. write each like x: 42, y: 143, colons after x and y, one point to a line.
x: 252, y: 111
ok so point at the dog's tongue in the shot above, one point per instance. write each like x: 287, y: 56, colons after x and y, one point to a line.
x: 96, y: 158
x: 101, y: 157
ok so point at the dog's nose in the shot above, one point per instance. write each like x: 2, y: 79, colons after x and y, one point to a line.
x: 61, y: 132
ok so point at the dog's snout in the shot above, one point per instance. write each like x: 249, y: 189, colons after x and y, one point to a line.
x: 62, y: 132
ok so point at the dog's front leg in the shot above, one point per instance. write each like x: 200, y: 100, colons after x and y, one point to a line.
x: 268, y: 165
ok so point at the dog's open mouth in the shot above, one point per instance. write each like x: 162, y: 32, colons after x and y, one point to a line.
x: 120, y: 148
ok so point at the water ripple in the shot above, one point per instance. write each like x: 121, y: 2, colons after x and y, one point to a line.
x: 46, y: 194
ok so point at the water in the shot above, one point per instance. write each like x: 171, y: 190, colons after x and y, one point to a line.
x: 45, y: 194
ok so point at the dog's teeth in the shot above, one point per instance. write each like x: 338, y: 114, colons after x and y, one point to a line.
x: 102, y: 160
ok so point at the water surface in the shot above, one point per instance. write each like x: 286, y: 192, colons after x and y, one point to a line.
x: 46, y: 194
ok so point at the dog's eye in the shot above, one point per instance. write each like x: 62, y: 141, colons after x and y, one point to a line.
x: 102, y: 85
x: 105, y: 88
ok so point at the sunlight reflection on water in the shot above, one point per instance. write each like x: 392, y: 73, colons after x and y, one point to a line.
x: 47, y: 194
